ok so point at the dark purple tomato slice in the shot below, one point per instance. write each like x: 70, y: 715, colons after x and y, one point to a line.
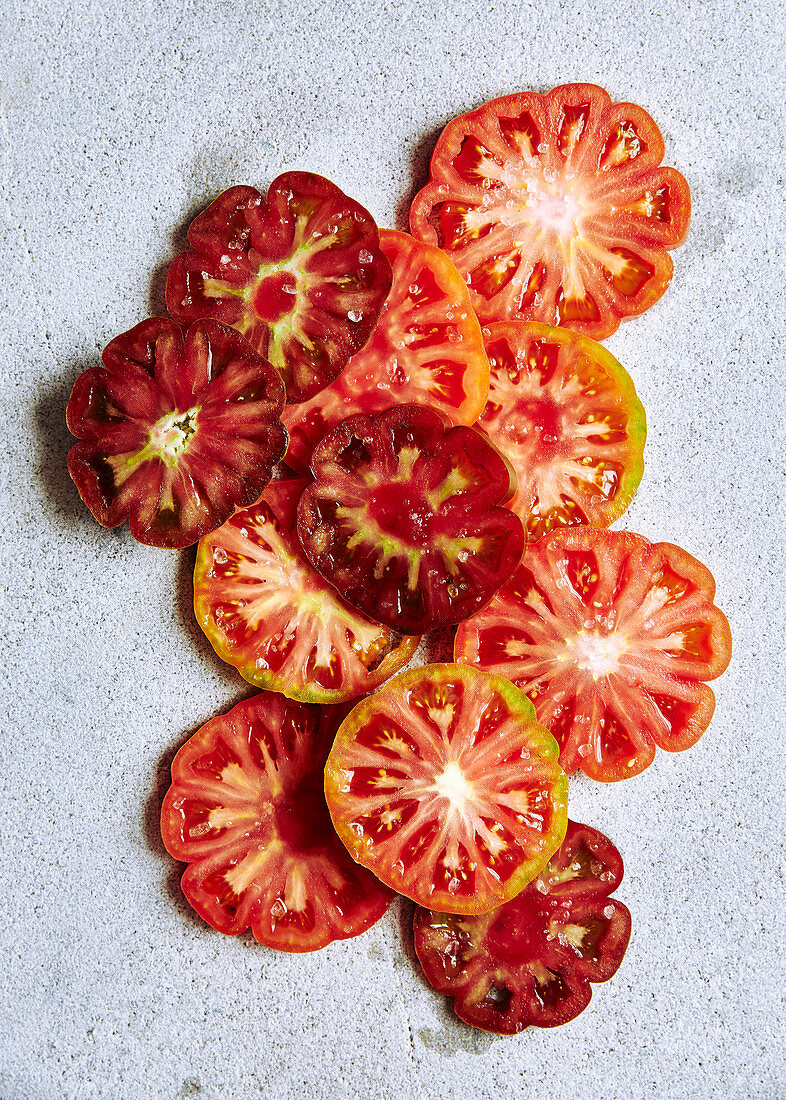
x: 300, y: 274
x: 611, y: 637
x: 246, y: 811
x: 404, y: 517
x: 175, y: 434
x: 268, y: 612
x: 530, y: 962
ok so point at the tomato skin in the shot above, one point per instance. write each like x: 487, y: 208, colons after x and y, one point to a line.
x: 556, y: 208
x: 613, y: 638
x: 299, y: 273
x: 530, y: 962
x: 175, y: 432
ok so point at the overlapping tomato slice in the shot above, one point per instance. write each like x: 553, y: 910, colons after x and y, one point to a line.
x: 267, y: 611
x: 403, y: 517
x: 426, y: 348
x: 300, y: 274
x: 612, y: 637
x: 556, y: 208
x: 246, y: 811
x: 175, y: 434
x: 444, y: 786
x: 565, y: 414
x: 531, y: 961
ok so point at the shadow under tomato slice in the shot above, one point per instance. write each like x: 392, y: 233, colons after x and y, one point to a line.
x: 246, y: 811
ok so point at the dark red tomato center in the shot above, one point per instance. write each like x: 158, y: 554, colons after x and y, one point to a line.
x: 275, y: 296
x: 545, y: 422
x: 402, y: 512
x: 301, y: 819
x: 516, y: 933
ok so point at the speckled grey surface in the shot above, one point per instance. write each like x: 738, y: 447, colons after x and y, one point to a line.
x: 121, y: 120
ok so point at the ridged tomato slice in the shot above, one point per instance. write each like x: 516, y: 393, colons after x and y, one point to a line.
x: 556, y: 208
x: 299, y: 273
x: 612, y: 637
x: 530, y: 962
x: 426, y: 348
x: 445, y: 787
x: 565, y: 414
x: 268, y: 612
x: 246, y: 811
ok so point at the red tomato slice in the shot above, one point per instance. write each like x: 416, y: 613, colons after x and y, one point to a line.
x: 175, y: 434
x: 270, y: 614
x: 426, y: 349
x: 403, y: 518
x: 611, y: 637
x: 247, y: 812
x: 556, y: 208
x: 300, y: 274
x: 447, y: 789
x: 531, y: 961
x: 565, y: 414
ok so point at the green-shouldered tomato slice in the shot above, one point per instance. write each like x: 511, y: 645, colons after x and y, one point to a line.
x: 175, y: 433
x: 426, y: 348
x: 556, y: 208
x: 612, y: 637
x: 299, y: 273
x: 530, y: 962
x: 445, y: 786
x: 246, y: 811
x: 268, y: 612
x: 404, y: 517
x: 565, y: 414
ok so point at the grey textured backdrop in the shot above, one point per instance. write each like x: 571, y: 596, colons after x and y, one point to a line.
x: 121, y: 120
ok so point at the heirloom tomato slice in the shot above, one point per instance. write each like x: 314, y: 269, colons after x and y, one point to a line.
x: 175, y: 434
x: 445, y: 786
x: 426, y: 349
x: 531, y: 961
x: 403, y: 518
x: 246, y: 811
x: 565, y: 414
x: 300, y: 274
x: 611, y: 637
x: 268, y: 612
x: 556, y: 208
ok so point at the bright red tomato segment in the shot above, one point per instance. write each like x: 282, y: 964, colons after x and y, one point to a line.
x: 446, y: 788
x: 175, y: 434
x: 530, y: 962
x: 404, y: 521
x: 426, y: 349
x: 246, y: 811
x: 269, y: 613
x: 611, y: 637
x: 565, y: 414
x: 556, y: 208
x: 300, y: 274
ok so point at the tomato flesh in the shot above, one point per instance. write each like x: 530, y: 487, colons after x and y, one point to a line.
x: 403, y: 517
x: 299, y: 273
x: 612, y: 638
x: 565, y: 414
x: 246, y: 811
x: 530, y: 962
x: 269, y: 613
x: 447, y: 789
x: 175, y: 433
x: 556, y: 208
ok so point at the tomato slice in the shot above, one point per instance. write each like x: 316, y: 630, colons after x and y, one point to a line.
x: 270, y: 614
x: 403, y: 518
x: 611, y: 637
x: 300, y: 274
x: 175, y: 434
x: 566, y: 415
x: 556, y: 208
x: 246, y: 811
x: 426, y: 349
x: 531, y: 961
x: 447, y: 789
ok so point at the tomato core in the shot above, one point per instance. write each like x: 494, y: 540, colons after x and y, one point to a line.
x: 545, y: 423
x: 275, y: 296
x: 300, y: 815
x: 402, y: 512
x: 516, y: 933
